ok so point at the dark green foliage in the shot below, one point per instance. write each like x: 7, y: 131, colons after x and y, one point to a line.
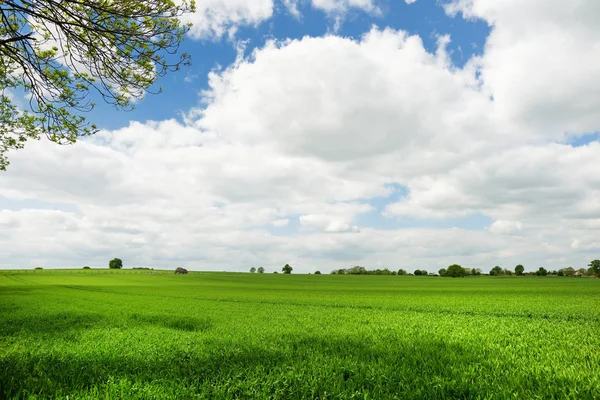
x: 358, y: 270
x: 115, y: 263
x: 317, y: 272
x: 86, y: 267
x: 38, y: 268
x: 287, y: 269
x: 595, y: 267
x: 261, y: 270
x: 442, y: 271
x: 496, y: 271
x: 252, y: 270
x: 568, y: 271
x: 519, y: 269
x: 455, y: 271
x: 402, y: 272
x: 541, y: 272
x: 476, y: 271
x: 181, y: 271
x: 419, y: 272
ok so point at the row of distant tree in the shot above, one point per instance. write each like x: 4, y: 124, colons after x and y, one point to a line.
x: 453, y: 270
x: 456, y: 271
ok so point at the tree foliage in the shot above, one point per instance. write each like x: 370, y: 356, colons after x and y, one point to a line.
x: 260, y: 270
x: 519, y: 269
x: 115, y: 263
x: 595, y: 266
x: 455, y: 271
x: 56, y: 52
x: 252, y: 270
x: 287, y: 269
x: 497, y: 270
x: 541, y: 272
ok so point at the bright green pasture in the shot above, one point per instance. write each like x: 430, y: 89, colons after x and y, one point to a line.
x: 224, y: 335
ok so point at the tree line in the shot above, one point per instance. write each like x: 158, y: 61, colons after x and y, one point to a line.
x: 453, y: 271
x: 456, y: 271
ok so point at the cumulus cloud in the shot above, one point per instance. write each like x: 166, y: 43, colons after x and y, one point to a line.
x: 540, y: 62
x: 342, y: 6
x: 313, y: 130
x: 502, y: 227
x: 215, y: 18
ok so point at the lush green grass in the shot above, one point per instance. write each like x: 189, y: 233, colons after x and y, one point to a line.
x: 218, y: 335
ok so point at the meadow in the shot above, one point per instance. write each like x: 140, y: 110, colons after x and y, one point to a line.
x: 96, y: 334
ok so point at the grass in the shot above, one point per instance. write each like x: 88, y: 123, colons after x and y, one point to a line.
x: 89, y: 335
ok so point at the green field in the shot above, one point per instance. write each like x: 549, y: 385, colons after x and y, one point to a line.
x: 225, y: 335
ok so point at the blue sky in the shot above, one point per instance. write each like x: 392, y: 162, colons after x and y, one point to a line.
x: 359, y: 138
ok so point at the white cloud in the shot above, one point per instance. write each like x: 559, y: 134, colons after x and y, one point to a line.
x: 342, y: 6
x: 280, y: 222
x: 335, y: 217
x: 541, y: 62
x: 215, y: 18
x: 502, y: 227
x: 343, y: 100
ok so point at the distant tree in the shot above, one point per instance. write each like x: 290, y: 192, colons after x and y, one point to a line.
x: 181, y: 270
x: 252, y: 270
x: 569, y: 271
x: 541, y: 272
x: 401, y: 272
x: 595, y: 266
x: 357, y: 270
x: 86, y: 267
x: 38, y: 268
x: 287, y: 269
x: 561, y: 272
x: 455, y: 271
x: 496, y: 271
x: 519, y: 269
x: 442, y: 271
x: 115, y: 263
x: 317, y: 272
x: 275, y: 272
x: 260, y: 270
x: 507, y: 272
x: 476, y: 271
x: 418, y: 272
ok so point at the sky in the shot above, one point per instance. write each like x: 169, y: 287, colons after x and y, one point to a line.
x: 325, y: 134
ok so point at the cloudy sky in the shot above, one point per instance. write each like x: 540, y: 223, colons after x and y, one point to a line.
x: 331, y: 133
